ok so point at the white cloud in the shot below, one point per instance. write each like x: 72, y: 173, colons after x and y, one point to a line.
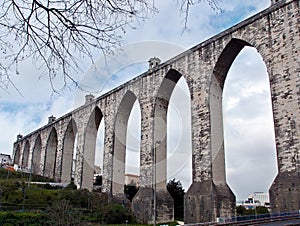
x: 13, y: 121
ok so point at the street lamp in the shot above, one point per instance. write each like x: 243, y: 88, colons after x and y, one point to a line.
x: 154, y: 169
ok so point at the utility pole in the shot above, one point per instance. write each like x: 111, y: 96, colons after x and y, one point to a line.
x: 0, y: 196
x: 154, y: 169
x: 30, y: 175
x: 154, y: 183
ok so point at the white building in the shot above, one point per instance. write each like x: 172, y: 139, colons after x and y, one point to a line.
x: 5, y: 159
x: 132, y: 179
x: 256, y: 199
x: 263, y: 198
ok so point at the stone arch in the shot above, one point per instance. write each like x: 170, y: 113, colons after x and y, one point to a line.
x: 159, y: 147
x: 17, y: 156
x: 25, y: 154
x: 90, y: 136
x: 160, y: 126
x: 50, y: 155
x: 225, y: 61
x: 36, y: 156
x: 67, y: 155
x: 213, y: 191
x: 120, y: 136
x: 179, y: 134
x: 220, y: 71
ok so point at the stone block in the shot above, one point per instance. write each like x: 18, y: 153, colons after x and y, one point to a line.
x: 285, y: 192
x: 143, y: 206
x: 205, y: 202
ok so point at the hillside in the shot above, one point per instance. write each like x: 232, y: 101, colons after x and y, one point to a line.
x: 30, y: 204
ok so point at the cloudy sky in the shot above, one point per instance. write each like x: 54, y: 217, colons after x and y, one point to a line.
x: 249, y: 137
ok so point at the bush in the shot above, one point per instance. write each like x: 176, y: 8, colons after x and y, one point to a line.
x: 77, y: 198
x: 5, y: 174
x: 33, y: 219
x: 242, y: 211
x: 40, y: 199
x: 116, y: 214
x: 71, y: 186
x: 63, y: 214
x: 64, y: 206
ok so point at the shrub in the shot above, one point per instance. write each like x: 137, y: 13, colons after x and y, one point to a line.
x: 22, y: 218
x: 116, y: 214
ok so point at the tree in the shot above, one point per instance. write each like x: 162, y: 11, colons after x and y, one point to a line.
x: 242, y: 211
x: 262, y: 210
x: 51, y: 32
x: 63, y: 214
x: 130, y: 190
x: 177, y: 192
x: 98, y: 181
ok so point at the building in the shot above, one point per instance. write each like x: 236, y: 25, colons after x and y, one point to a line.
x: 132, y: 179
x: 256, y: 199
x: 97, y: 170
x: 263, y: 198
x: 5, y: 159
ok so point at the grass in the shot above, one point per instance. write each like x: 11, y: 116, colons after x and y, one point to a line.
x: 5, y: 174
x: 169, y: 224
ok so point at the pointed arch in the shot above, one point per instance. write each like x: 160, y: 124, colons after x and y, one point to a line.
x: 36, y: 156
x: 228, y: 55
x: 99, y: 151
x: 90, y: 136
x: 67, y: 155
x: 25, y: 154
x: 17, y: 156
x: 160, y: 125
x: 120, y: 137
x: 220, y: 71
x: 50, y: 155
x: 179, y: 134
x: 216, y: 98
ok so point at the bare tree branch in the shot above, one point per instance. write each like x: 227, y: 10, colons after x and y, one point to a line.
x: 185, y: 6
x: 51, y: 31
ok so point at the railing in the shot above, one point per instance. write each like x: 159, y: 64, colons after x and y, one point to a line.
x: 253, y: 219
x: 262, y: 217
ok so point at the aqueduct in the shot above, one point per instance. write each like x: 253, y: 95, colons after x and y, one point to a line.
x: 274, y: 32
